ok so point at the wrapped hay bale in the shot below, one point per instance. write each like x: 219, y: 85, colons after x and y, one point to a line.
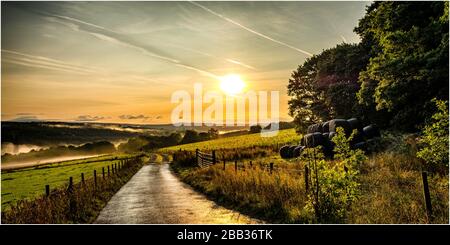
x: 355, y: 124
x: 335, y: 123
x: 298, y: 150
x: 284, y: 151
x: 314, y: 128
x: 313, y: 140
x: 331, y: 135
x: 326, y: 127
x: 371, y: 131
x: 291, y: 151
x: 360, y: 145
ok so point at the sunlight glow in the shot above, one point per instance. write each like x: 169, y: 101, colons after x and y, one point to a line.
x: 232, y: 84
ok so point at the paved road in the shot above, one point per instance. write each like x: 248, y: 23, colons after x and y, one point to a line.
x: 155, y: 196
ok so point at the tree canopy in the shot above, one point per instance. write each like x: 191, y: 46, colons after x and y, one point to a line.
x: 389, y: 78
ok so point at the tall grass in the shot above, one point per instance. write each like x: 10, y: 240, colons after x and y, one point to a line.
x: 276, y: 197
x: 391, y: 190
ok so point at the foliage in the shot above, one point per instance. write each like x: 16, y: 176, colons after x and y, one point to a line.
x: 96, y: 148
x: 150, y: 142
x: 54, y: 133
x: 191, y: 136
x: 408, y: 43
x: 325, y: 85
x: 334, y: 185
x: 434, y: 141
x: 254, y: 129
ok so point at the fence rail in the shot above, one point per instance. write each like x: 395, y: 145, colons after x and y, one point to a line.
x: 204, y: 159
x: 112, y: 169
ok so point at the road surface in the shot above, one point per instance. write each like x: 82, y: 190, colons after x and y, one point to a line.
x: 155, y: 196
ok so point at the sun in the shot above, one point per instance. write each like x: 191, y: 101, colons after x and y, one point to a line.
x: 232, y: 84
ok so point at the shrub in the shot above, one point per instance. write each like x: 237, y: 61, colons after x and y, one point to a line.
x: 334, y: 184
x: 434, y: 141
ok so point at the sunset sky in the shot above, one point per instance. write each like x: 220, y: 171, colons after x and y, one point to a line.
x: 121, y: 61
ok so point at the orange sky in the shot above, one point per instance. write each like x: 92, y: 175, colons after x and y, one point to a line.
x: 121, y: 62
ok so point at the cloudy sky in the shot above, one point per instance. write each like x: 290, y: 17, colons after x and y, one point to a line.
x: 121, y: 61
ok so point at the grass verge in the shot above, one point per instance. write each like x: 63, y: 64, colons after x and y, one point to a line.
x: 80, y: 204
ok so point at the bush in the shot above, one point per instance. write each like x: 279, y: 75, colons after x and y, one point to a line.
x: 434, y: 141
x: 334, y: 185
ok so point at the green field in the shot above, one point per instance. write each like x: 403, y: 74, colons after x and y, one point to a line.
x: 29, y: 183
x: 284, y: 137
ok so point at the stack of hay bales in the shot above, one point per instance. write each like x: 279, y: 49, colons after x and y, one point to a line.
x: 320, y: 134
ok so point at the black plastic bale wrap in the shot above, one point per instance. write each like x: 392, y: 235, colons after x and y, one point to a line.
x: 360, y: 146
x: 314, y: 128
x: 336, y: 123
x: 371, y: 131
x: 355, y: 124
x: 328, y: 148
x: 284, y: 151
x: 298, y: 150
x: 291, y: 151
x: 313, y: 140
x: 331, y: 135
x: 326, y: 127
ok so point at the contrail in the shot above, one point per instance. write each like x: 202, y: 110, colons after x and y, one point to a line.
x: 250, y: 30
x: 19, y: 58
x: 107, y: 35
x: 241, y: 64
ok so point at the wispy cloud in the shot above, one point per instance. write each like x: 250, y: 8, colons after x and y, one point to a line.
x: 343, y: 39
x: 108, y: 35
x: 29, y: 60
x: 26, y: 119
x: 251, y: 30
x: 241, y: 64
x: 89, y: 118
x: 133, y: 117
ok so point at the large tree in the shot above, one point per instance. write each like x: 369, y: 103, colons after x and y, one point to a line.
x: 325, y: 85
x: 408, y: 42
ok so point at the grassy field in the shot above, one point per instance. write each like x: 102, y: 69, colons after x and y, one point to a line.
x: 284, y: 137
x: 391, y: 189
x: 29, y: 183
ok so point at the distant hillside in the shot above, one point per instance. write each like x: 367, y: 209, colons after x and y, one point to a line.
x: 44, y: 133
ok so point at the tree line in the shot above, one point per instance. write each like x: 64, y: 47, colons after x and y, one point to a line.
x: 391, y: 78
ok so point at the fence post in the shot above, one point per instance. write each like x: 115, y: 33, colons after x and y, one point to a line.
x: 95, y: 177
x: 224, y: 164
x: 82, y: 178
x: 251, y: 164
x: 47, y: 190
x: 70, y: 188
x: 306, y: 180
x: 271, y: 167
x: 103, y: 172
x: 196, y: 155
x: 426, y: 192
x: 214, y: 156
x: 235, y: 166
x: 108, y: 171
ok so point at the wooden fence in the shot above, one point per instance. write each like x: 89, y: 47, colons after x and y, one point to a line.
x: 204, y: 159
x: 108, y: 171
